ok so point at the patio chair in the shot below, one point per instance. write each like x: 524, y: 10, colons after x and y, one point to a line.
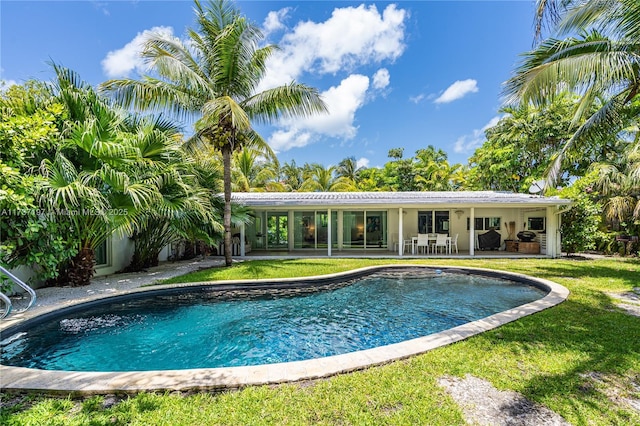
x: 423, y: 241
x: 395, y: 241
x: 454, y: 243
x: 407, y: 245
x: 441, y: 241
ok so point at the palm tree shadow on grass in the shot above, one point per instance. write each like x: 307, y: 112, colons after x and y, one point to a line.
x: 596, y: 337
x: 258, y: 269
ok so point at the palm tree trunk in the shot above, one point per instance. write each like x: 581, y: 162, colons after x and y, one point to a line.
x: 226, y: 162
x: 82, y: 266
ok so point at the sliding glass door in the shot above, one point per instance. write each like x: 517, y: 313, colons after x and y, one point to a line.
x: 366, y: 229
x: 311, y: 229
x: 277, y: 230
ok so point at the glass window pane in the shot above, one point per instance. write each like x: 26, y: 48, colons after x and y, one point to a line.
x: 425, y: 222
x: 304, y: 230
x: 493, y: 222
x: 353, y: 229
x: 376, y: 228
x: 442, y: 222
x: 277, y: 230
x: 101, y: 254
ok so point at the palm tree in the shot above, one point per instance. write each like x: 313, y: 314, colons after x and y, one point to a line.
x: 214, y: 76
x: 436, y: 176
x: 98, y: 179
x: 292, y: 176
x: 348, y: 168
x: 184, y: 209
x: 251, y: 172
x: 602, y: 62
x: 433, y: 171
x: 619, y: 181
x: 519, y: 148
x: 319, y: 178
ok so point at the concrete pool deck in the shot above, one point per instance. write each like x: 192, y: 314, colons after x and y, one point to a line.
x: 49, y: 300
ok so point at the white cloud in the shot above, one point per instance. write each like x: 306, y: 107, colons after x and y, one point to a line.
x: 457, y: 90
x: 121, y: 62
x: 342, y: 103
x: 417, y: 99
x: 381, y: 79
x: 284, y: 140
x: 362, y: 162
x: 351, y: 37
x: 469, y: 143
x: 274, y: 21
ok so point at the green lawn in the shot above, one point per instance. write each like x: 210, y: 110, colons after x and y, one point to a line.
x: 581, y: 359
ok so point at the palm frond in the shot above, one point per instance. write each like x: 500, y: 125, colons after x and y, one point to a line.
x: 573, y: 64
x: 288, y: 101
x: 224, y: 109
x: 599, y: 124
x: 619, y: 208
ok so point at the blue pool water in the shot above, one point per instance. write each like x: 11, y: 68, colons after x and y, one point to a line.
x: 208, y: 329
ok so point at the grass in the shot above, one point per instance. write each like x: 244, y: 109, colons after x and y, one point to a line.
x: 581, y: 359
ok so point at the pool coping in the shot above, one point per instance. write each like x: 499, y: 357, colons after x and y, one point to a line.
x: 88, y: 383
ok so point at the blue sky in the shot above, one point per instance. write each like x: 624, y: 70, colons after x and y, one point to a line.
x: 394, y: 74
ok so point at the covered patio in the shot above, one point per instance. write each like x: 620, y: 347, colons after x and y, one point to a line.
x: 372, y: 224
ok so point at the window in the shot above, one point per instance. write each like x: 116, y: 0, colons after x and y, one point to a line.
x: 433, y: 222
x: 101, y: 254
x: 485, y: 223
x: 535, y: 224
x: 492, y: 222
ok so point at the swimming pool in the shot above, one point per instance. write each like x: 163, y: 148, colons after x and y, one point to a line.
x: 266, y: 329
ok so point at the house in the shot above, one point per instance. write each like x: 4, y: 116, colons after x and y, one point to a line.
x: 378, y: 222
x: 375, y: 223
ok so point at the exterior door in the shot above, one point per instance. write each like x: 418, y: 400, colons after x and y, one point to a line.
x: 277, y: 230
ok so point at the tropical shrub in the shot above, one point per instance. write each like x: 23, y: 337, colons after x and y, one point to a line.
x: 30, y: 235
x: 581, y: 223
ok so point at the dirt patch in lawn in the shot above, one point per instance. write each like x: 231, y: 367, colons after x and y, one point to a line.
x: 483, y: 404
x: 629, y: 301
x: 620, y: 390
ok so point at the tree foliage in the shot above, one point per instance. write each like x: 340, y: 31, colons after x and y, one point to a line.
x: 29, y: 132
x: 598, y: 60
x: 214, y: 77
x: 521, y: 145
x: 581, y: 223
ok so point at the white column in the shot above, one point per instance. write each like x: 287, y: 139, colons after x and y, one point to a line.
x: 472, y: 231
x: 329, y: 242
x: 340, y: 230
x: 242, y: 248
x: 400, y: 232
x: 558, y: 244
x: 552, y: 225
x: 290, y: 231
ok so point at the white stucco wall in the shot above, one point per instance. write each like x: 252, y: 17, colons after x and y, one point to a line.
x: 119, y: 253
